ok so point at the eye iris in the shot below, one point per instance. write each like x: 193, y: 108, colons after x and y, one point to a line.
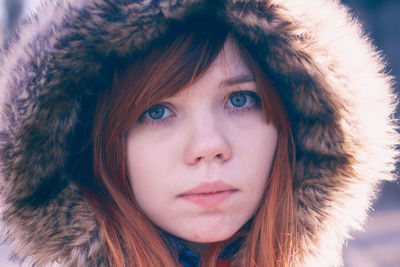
x: 238, y: 100
x: 156, y: 112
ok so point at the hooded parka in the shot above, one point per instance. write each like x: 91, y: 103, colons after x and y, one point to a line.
x: 331, y: 79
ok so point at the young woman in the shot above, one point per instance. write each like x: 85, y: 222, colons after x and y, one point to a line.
x: 191, y: 133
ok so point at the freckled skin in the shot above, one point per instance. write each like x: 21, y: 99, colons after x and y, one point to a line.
x: 203, y: 139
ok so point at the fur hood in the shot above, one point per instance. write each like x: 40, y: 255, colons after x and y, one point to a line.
x: 330, y: 77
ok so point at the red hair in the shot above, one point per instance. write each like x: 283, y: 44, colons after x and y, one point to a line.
x: 167, y: 67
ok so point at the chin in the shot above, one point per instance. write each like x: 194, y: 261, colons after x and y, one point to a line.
x: 209, y: 238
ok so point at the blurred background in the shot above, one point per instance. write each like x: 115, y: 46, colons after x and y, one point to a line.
x: 379, y: 244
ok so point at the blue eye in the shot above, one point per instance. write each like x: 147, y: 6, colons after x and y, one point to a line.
x: 157, y: 114
x: 243, y: 100
x: 238, y: 99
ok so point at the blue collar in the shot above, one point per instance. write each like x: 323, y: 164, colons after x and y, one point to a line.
x: 188, y: 259
x: 184, y: 255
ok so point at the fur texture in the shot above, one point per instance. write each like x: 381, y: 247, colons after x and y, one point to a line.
x: 330, y: 78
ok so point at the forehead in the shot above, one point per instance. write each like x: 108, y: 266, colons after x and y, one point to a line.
x: 230, y: 59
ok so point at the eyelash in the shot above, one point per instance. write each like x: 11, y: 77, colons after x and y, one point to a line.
x: 256, y: 105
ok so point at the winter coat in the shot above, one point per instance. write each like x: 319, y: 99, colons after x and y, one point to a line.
x: 331, y: 79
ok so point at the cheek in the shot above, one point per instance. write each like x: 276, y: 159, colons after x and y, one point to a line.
x: 255, y: 152
x: 264, y: 146
x: 154, y: 167
x: 148, y: 165
x: 255, y: 143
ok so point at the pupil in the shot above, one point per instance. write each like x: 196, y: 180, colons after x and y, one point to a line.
x: 156, y: 112
x: 238, y: 100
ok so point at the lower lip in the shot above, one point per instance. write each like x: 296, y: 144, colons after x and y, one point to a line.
x: 209, y: 199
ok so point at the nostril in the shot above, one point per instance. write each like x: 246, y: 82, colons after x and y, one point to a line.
x: 198, y: 152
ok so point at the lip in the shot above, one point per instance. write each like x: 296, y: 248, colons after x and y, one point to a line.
x: 209, y: 194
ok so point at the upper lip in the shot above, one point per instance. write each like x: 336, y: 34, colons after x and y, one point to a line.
x: 209, y: 188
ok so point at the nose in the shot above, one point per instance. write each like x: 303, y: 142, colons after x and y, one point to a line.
x: 207, y: 143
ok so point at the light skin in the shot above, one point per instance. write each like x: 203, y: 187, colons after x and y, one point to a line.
x: 213, y: 132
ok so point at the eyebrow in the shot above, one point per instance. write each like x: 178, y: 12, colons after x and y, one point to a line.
x: 237, y: 79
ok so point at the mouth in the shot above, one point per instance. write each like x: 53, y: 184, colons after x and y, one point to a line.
x: 209, y: 194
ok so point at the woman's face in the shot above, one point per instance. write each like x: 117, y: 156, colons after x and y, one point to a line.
x: 198, y: 162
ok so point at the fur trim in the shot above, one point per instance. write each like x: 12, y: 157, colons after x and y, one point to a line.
x: 329, y: 76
